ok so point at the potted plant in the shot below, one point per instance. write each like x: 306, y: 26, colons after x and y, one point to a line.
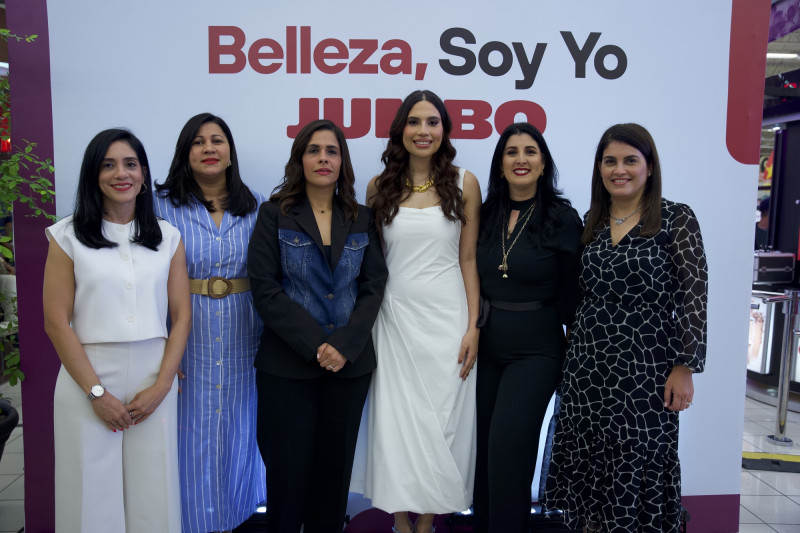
x: 25, y: 179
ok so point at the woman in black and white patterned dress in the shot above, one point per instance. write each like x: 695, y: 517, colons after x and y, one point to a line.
x: 640, y: 333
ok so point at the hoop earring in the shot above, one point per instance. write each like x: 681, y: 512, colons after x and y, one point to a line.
x: 143, y: 189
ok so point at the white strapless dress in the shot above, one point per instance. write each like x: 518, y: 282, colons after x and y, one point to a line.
x: 421, y: 418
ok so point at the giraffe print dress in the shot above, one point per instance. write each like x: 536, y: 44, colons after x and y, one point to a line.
x: 615, y: 460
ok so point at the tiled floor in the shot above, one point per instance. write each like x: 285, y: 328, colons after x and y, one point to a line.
x: 12, y: 477
x: 770, y: 501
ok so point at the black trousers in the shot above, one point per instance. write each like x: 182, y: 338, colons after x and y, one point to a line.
x: 512, y: 397
x: 307, y: 431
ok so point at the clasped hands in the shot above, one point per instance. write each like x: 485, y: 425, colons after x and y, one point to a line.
x: 121, y: 417
x: 329, y: 358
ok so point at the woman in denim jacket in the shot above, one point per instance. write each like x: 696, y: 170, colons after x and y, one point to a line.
x: 317, y: 274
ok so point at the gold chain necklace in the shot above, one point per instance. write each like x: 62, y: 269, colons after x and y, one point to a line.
x: 420, y: 188
x: 527, y: 216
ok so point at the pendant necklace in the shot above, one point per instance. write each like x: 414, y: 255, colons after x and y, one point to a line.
x: 504, y: 221
x: 619, y: 221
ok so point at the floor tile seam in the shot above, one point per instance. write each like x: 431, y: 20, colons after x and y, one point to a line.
x: 760, y: 521
x: 16, y: 480
x: 780, y: 492
x: 5, y: 490
x: 794, y: 503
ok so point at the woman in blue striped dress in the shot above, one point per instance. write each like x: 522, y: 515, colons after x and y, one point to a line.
x: 222, y: 474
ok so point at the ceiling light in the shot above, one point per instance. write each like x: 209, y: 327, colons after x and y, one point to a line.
x: 777, y: 55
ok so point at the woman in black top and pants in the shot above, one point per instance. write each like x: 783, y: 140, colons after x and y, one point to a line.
x: 528, y: 260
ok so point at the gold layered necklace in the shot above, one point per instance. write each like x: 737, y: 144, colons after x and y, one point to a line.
x: 503, y: 225
x: 420, y: 188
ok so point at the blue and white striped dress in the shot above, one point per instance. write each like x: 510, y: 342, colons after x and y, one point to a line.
x: 223, y: 478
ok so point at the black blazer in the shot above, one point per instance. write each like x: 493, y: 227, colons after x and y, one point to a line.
x: 291, y: 335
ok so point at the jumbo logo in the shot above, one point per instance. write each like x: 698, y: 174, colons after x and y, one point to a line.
x: 472, y: 119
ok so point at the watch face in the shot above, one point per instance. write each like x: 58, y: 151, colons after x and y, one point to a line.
x: 97, y: 391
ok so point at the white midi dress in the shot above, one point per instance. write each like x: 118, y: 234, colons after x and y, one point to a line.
x: 421, y: 421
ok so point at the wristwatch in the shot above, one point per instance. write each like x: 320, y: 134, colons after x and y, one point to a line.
x: 96, y: 391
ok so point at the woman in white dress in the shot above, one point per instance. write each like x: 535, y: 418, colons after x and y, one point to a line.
x: 421, y: 447
x: 113, y: 276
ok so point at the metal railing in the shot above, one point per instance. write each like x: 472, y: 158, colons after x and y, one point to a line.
x: 789, y: 299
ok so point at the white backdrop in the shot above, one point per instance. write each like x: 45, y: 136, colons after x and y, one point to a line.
x: 146, y: 66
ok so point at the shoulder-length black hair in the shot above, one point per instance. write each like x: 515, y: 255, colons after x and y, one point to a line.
x: 549, y: 200
x: 390, y: 185
x: 87, y: 218
x: 599, y: 208
x: 292, y: 188
x: 181, y: 187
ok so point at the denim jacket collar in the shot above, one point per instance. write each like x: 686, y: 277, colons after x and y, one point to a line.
x: 340, y: 226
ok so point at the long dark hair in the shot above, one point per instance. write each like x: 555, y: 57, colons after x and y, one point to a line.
x: 390, y: 185
x: 292, y: 188
x: 181, y: 187
x: 600, y: 206
x: 549, y: 200
x: 87, y: 218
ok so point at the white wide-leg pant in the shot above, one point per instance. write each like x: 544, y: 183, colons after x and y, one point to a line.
x: 124, y: 481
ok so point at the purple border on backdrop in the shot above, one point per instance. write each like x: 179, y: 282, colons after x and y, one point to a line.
x: 32, y: 119
x: 709, y: 514
x: 716, y: 513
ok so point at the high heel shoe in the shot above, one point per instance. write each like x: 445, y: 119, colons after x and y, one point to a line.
x: 396, y: 531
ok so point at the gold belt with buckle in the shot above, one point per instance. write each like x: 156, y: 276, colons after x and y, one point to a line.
x: 217, y: 287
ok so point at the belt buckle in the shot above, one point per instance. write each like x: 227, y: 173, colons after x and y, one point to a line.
x: 217, y: 295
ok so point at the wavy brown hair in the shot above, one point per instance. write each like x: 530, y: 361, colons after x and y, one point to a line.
x: 600, y: 206
x: 292, y: 188
x: 390, y: 185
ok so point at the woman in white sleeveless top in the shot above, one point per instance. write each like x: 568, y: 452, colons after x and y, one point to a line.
x: 114, y: 275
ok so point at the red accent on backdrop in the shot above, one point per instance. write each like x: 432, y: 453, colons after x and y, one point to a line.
x: 748, y: 56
